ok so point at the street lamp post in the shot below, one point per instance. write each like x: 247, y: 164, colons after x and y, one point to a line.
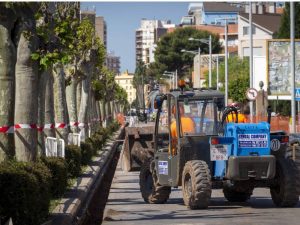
x: 226, y: 64
x: 208, y: 42
x: 199, y: 57
x: 226, y: 56
x: 217, y: 72
x: 292, y: 37
x: 251, y: 57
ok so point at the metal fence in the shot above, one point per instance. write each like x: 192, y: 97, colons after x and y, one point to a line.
x: 74, y: 139
x: 277, y: 122
x: 55, y: 147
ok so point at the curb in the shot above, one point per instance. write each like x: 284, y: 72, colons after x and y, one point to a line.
x: 73, y: 206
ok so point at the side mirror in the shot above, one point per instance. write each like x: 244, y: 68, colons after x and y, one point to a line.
x: 220, y: 103
x: 158, y: 101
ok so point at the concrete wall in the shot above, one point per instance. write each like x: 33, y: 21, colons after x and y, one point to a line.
x: 259, y: 40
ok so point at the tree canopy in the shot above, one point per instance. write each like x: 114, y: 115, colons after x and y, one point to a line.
x: 168, y: 55
x: 284, y: 30
x: 238, y: 78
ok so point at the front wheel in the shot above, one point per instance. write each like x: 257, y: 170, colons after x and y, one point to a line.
x: 150, y: 190
x: 196, y: 184
x: 284, y: 191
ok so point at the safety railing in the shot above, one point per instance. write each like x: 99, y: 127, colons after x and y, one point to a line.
x: 74, y: 139
x: 55, y: 147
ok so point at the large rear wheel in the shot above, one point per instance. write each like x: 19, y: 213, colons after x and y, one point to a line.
x: 196, y: 184
x: 284, y: 190
x: 150, y: 190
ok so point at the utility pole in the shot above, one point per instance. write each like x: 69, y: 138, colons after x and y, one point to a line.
x: 226, y: 63
x: 218, y: 72
x: 292, y: 36
x: 210, y: 69
x: 251, y: 58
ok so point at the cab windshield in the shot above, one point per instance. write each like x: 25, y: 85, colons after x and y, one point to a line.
x: 198, y: 117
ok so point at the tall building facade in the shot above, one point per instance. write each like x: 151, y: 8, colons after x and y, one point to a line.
x: 89, y: 14
x: 125, y: 81
x: 101, y: 30
x: 113, y: 62
x: 146, y: 37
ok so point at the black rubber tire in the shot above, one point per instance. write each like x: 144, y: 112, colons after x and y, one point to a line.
x: 233, y: 193
x: 196, y: 184
x: 284, y: 191
x: 151, y: 192
x: 289, y: 155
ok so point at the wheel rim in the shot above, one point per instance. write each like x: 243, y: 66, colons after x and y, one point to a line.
x: 188, y: 186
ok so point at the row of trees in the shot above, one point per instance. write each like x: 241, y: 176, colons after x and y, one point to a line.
x: 51, y: 71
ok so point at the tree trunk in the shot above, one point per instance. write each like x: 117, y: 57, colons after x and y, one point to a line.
x: 71, y: 92
x: 99, y: 113
x: 112, y: 105
x: 26, y: 100
x: 86, y: 85
x: 78, y: 96
x: 108, y: 113
x: 49, y: 107
x: 7, y: 72
x: 139, y: 95
x: 41, y: 111
x: 60, y: 103
x: 103, y: 112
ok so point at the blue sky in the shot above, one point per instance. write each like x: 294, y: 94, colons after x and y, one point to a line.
x: 123, y: 18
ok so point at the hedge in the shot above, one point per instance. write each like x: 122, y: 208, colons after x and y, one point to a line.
x: 59, y: 175
x: 73, y: 159
x: 24, y: 193
x: 86, y: 152
x: 26, y: 188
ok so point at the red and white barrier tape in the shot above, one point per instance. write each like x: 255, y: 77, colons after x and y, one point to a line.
x: 11, y: 129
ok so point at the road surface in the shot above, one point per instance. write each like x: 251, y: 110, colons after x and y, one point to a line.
x: 125, y: 206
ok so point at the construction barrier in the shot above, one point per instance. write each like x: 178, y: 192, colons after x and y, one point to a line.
x: 55, y: 147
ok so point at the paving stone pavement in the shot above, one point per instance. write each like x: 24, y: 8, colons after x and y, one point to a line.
x: 126, y: 207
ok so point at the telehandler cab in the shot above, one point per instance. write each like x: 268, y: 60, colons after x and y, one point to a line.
x: 236, y: 157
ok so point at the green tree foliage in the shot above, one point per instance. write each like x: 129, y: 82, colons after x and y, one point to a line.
x: 168, y: 55
x: 56, y: 31
x: 139, y: 74
x: 238, y: 78
x: 284, y: 30
x: 139, y: 80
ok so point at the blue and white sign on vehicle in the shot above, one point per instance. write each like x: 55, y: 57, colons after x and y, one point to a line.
x: 218, y: 152
x: 163, y: 167
x: 253, y: 140
x: 297, y: 94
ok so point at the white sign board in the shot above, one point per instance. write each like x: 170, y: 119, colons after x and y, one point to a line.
x: 218, y: 152
x: 251, y: 94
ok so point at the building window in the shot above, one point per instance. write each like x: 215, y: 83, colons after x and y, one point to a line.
x: 246, y: 30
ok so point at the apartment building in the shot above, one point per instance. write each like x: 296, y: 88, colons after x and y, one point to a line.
x: 125, y: 81
x: 101, y: 30
x: 265, y: 22
x: 211, y: 13
x: 146, y: 37
x: 113, y: 62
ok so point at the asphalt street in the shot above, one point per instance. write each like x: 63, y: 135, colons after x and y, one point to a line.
x: 125, y: 206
